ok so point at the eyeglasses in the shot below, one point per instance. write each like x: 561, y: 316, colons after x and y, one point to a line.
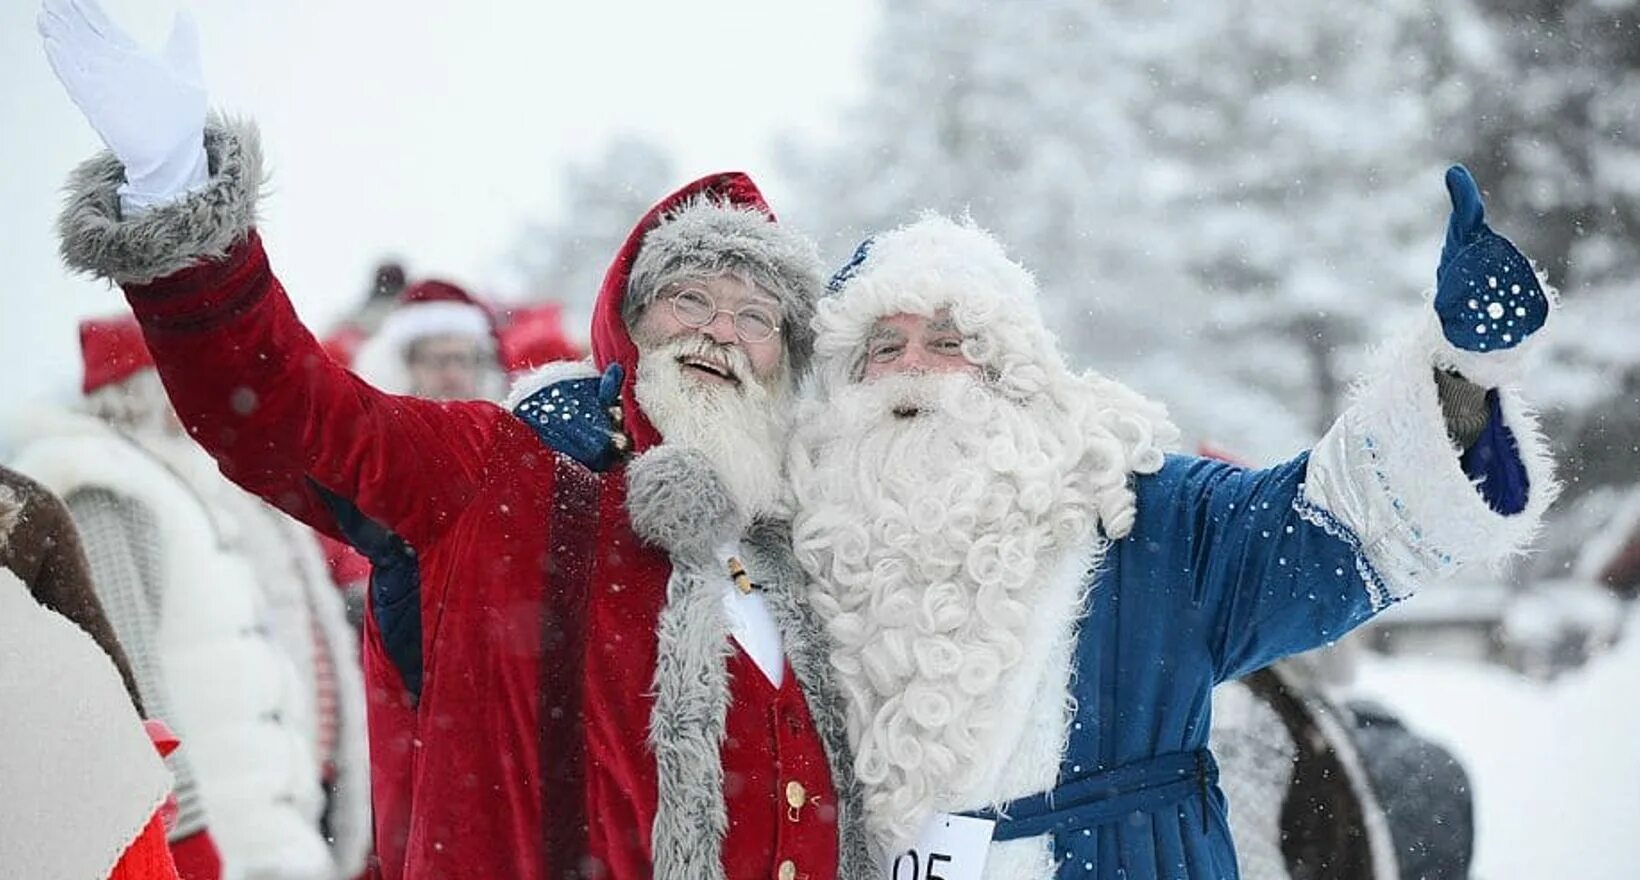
x: 467, y: 360
x: 694, y: 308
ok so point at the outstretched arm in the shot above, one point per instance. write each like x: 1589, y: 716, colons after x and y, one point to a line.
x: 1431, y: 476
x: 168, y: 213
x: 1436, y: 465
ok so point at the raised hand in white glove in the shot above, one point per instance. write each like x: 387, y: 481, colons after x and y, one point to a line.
x: 149, y: 109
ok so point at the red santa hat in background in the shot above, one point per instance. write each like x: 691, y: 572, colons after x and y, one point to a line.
x: 534, y: 335
x: 425, y: 309
x: 111, y: 351
x: 343, y: 343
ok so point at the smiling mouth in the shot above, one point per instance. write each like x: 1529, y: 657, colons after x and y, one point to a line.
x: 711, y: 368
x: 907, y: 411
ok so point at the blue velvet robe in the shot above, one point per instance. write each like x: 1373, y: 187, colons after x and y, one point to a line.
x: 1221, y: 575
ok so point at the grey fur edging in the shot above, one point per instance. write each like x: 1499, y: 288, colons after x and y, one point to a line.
x: 809, y: 651
x: 688, y: 721
x: 97, y: 240
x: 686, y: 730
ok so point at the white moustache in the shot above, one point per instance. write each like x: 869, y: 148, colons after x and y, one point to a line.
x: 727, y: 361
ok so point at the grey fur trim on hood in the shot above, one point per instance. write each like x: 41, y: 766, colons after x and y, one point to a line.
x: 97, y: 240
x: 705, y: 238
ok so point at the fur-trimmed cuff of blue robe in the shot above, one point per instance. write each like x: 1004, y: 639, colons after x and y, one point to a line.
x: 1420, y: 508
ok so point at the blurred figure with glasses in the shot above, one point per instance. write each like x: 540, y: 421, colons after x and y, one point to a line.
x: 438, y: 342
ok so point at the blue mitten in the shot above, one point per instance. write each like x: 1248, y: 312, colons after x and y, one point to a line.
x: 1486, y: 294
x: 580, y: 418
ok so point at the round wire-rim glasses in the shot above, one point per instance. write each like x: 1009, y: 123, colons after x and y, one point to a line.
x: 694, y: 308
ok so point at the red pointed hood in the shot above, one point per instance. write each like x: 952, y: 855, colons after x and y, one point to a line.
x: 794, y: 263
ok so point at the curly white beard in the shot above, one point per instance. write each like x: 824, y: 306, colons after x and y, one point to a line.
x: 741, y: 429
x: 929, y: 539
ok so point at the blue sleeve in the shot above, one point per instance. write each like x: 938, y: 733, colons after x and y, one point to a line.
x: 1268, y: 576
x: 395, y: 585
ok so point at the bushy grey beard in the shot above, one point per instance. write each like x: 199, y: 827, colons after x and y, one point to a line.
x: 741, y: 429
x: 929, y: 511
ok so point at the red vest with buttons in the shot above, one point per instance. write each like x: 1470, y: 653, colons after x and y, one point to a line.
x: 782, y: 812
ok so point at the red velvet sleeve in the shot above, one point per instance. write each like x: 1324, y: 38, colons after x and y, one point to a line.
x: 255, y: 388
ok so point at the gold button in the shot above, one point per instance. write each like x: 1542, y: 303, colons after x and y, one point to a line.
x: 796, y: 795
x: 788, y: 870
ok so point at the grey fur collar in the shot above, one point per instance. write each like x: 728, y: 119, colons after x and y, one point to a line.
x: 686, y: 726
x: 686, y: 729
x: 97, y: 240
x: 705, y: 237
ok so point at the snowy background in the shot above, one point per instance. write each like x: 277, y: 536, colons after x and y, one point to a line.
x: 1226, y: 204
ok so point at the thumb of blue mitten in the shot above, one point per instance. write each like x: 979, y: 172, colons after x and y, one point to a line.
x: 1486, y: 295
x: 609, y: 386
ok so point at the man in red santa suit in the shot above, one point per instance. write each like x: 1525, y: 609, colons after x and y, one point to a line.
x: 614, y: 673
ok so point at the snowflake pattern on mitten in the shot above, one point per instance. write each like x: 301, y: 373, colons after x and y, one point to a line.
x: 1486, y: 292
x: 572, y: 416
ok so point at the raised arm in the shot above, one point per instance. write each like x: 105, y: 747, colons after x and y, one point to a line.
x: 168, y: 213
x: 1435, y: 466
x: 1438, y: 462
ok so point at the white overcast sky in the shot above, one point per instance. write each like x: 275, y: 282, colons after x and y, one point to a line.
x: 428, y: 129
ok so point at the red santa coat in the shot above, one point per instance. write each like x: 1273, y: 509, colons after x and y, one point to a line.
x: 571, y: 719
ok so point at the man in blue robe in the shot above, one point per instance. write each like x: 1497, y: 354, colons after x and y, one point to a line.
x: 1031, y: 598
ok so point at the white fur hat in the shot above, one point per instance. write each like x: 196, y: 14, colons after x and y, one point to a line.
x: 931, y: 264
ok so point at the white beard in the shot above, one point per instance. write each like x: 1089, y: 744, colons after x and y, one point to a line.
x: 741, y: 429
x: 930, y: 541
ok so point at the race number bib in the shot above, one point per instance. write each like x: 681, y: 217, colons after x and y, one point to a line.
x: 949, y: 848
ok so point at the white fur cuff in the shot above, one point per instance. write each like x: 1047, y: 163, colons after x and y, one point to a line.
x: 1489, y: 369
x: 548, y: 374
x: 1387, y: 472
x: 98, y: 240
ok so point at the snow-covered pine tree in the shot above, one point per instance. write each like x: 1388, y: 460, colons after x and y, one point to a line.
x: 1218, y: 199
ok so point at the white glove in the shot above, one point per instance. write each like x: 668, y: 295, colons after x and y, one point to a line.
x: 149, y: 109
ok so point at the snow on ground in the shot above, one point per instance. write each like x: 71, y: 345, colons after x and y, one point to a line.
x: 1555, y: 767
